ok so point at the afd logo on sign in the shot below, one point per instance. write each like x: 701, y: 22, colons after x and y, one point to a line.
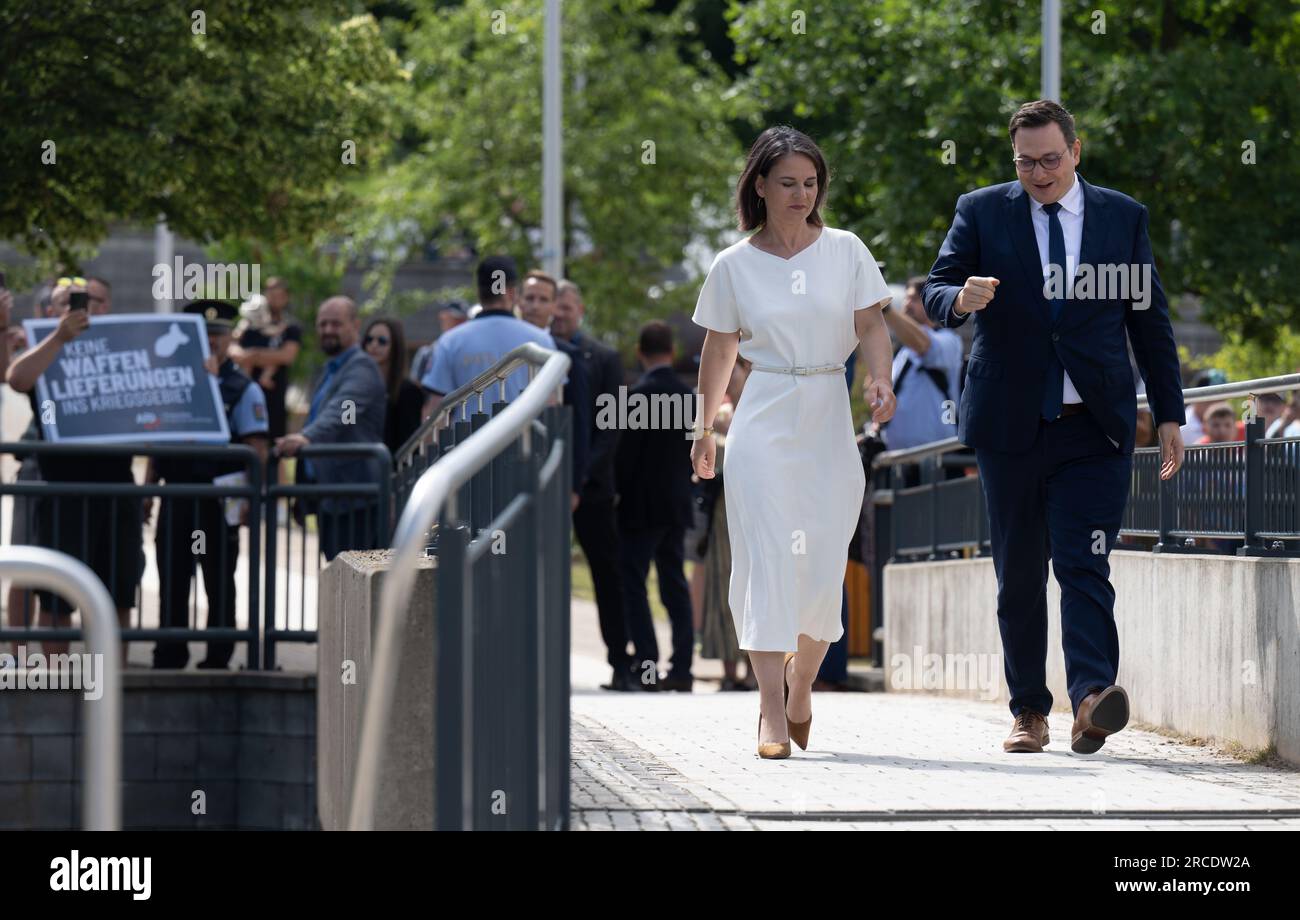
x: 103, y: 873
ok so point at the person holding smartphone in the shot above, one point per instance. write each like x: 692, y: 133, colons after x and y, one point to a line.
x: 102, y: 531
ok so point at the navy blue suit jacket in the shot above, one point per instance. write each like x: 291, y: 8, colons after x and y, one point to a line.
x: 992, y: 235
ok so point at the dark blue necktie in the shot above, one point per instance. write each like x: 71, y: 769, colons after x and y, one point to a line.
x: 1056, y: 257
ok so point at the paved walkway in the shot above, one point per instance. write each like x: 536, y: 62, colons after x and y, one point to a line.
x: 885, y: 761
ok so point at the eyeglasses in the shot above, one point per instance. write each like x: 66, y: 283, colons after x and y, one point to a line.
x: 1049, y: 162
x: 380, y: 339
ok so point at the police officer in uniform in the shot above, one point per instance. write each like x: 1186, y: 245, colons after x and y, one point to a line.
x: 180, y: 517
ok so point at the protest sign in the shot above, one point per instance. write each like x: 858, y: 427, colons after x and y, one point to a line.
x: 130, y: 378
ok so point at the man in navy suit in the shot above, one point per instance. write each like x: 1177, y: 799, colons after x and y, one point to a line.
x: 1056, y: 272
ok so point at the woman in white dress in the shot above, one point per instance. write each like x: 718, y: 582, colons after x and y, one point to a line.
x: 795, y: 298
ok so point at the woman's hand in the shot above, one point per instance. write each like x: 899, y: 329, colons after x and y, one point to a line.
x: 880, y: 397
x: 703, y: 452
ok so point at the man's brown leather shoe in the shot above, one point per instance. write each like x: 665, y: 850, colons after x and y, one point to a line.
x: 1028, y: 734
x: 1102, y: 713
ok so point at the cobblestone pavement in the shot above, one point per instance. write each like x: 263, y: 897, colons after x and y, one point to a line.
x: 677, y: 761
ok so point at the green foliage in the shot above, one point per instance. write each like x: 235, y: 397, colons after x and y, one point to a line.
x: 1164, y: 100
x: 236, y: 129
x: 1248, y: 359
x: 468, y: 170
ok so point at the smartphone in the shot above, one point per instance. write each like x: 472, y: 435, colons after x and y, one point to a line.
x: 77, y: 300
x: 3, y: 282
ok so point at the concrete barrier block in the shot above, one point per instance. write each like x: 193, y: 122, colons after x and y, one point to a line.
x: 1209, y: 645
x: 347, y: 625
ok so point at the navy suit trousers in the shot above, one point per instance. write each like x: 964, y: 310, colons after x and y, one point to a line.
x: 1062, y: 499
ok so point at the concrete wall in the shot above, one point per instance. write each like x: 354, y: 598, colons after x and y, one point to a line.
x: 1209, y: 645
x: 246, y: 740
x: 349, y: 595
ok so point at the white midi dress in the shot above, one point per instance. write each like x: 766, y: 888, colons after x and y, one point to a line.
x: 793, y: 474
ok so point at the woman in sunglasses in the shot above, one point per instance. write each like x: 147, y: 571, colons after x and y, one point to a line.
x: 384, y: 340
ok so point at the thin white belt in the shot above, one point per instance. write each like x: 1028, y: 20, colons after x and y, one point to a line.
x: 799, y: 369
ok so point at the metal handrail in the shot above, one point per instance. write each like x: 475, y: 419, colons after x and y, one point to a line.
x: 1243, y: 388
x: 1191, y: 395
x: 37, y: 567
x: 437, y: 485
x: 530, y: 355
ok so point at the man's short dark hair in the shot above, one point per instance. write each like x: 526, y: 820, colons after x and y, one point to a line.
x: 103, y: 281
x: 656, y: 338
x: 488, y: 278
x: 542, y: 276
x: 916, y: 281
x: 1042, y: 112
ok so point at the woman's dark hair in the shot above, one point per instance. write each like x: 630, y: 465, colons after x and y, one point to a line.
x: 772, y: 144
x: 396, y: 350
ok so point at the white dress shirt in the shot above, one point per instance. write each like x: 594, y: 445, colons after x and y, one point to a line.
x: 1071, y: 218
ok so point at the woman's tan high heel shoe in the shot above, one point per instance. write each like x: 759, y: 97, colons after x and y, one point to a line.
x: 773, y: 750
x: 798, y: 730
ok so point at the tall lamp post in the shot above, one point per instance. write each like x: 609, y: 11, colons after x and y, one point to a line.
x: 552, y: 145
x: 1052, y: 50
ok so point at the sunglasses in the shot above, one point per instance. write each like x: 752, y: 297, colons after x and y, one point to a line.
x: 380, y: 339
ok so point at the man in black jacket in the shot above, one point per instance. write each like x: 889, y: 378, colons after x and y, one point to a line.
x: 652, y: 467
x: 593, y: 520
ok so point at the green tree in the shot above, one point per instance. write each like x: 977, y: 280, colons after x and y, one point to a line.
x: 648, y: 154
x: 1166, y: 96
x: 229, y: 121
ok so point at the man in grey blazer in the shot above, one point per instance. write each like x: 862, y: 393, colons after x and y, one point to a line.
x: 348, y: 406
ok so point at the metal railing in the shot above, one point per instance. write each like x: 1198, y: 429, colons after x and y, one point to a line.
x: 353, y: 515
x: 500, y: 497
x: 278, y: 600
x: 98, y: 508
x: 1242, y: 495
x: 1247, y: 491
x: 459, y: 414
x: 101, y: 808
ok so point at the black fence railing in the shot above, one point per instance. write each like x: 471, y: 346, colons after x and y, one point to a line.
x: 308, y: 523
x: 496, y: 509
x: 1237, y: 496
x: 503, y: 640
x: 249, y: 597
x: 112, y: 525
x: 1242, y: 497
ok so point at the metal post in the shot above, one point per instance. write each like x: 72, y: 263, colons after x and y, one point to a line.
x: 882, y: 548
x: 1253, y: 545
x: 36, y: 567
x: 163, y: 250
x: 254, y: 648
x: 1051, y: 88
x: 1167, y: 507
x: 552, y: 144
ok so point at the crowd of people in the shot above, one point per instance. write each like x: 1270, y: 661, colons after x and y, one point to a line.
x: 634, y: 498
